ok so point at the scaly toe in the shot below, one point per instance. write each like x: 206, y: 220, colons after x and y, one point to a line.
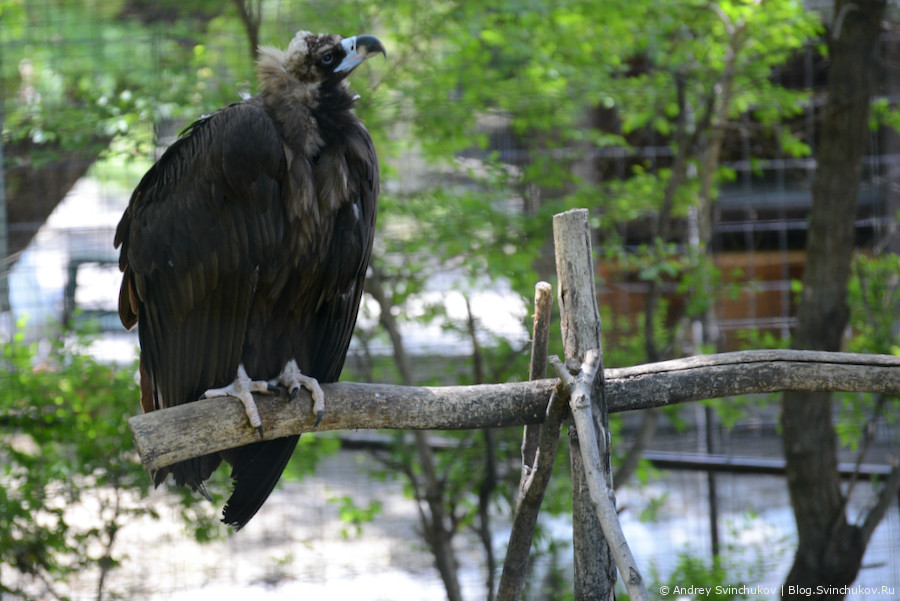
x: 242, y: 388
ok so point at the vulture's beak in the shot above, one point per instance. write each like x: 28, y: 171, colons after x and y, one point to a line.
x: 358, y: 49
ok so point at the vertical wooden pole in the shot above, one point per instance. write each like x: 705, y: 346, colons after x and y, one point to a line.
x: 595, y: 571
x: 539, y: 445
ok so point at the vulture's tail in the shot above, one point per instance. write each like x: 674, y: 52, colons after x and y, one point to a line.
x: 255, y: 472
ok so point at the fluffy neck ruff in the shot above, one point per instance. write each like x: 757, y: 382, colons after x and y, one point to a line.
x: 292, y: 102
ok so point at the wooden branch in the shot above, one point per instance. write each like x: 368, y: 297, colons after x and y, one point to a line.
x: 749, y: 372
x: 537, y: 368
x: 515, y: 565
x: 580, y: 389
x: 579, y: 314
x: 595, y: 571
x: 539, y: 446
x: 193, y: 429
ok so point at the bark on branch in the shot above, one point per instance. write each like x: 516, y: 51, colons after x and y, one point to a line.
x: 171, y: 435
x: 539, y: 444
x: 581, y: 328
x: 580, y: 388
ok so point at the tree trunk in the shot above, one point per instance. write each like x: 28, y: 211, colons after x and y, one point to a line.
x: 829, y: 549
x: 436, y: 527
x: 37, y: 178
x: 250, y: 12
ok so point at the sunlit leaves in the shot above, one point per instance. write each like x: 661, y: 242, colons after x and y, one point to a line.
x: 65, y: 441
x: 874, y: 297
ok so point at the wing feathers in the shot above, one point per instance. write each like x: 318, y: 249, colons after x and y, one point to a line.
x: 238, y: 249
x: 190, y: 250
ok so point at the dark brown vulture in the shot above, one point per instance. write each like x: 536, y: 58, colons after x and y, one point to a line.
x: 244, y: 250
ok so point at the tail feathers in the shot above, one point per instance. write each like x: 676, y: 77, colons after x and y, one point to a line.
x: 191, y: 473
x: 255, y: 471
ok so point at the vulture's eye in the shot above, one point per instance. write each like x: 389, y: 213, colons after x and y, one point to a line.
x: 327, y: 58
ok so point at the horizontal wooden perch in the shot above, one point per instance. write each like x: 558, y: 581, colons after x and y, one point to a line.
x: 165, y: 437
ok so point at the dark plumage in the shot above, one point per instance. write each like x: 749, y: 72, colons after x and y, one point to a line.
x: 246, y: 245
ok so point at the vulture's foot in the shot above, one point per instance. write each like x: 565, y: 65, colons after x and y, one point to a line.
x: 243, y: 388
x: 293, y: 379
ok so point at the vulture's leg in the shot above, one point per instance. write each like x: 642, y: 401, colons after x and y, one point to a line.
x: 243, y: 388
x: 292, y: 379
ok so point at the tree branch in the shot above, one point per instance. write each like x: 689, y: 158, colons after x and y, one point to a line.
x: 250, y: 12
x: 540, y: 342
x: 580, y: 388
x: 193, y: 429
x: 580, y: 326
x: 434, y: 523
x: 883, y: 501
x: 539, y: 446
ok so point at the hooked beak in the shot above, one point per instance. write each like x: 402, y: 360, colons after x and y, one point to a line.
x: 358, y: 49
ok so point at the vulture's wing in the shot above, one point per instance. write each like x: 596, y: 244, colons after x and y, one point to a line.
x: 350, y: 166
x: 351, y: 247
x: 198, y: 226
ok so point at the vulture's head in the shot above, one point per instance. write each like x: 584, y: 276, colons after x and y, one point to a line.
x: 314, y: 58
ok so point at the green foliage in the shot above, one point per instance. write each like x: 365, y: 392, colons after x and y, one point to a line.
x: 629, y: 340
x: 692, y: 51
x: 883, y: 114
x: 650, y: 511
x: 65, y: 443
x: 693, y: 571
x: 58, y: 99
x: 733, y: 574
x: 311, y: 448
x: 354, y: 515
x: 756, y: 339
x: 555, y: 582
x: 873, y: 294
x: 732, y: 410
x: 874, y: 298
x: 69, y: 477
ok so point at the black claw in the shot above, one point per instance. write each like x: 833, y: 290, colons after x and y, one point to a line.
x: 319, y: 415
x: 259, y: 429
x: 273, y: 389
x: 294, y: 394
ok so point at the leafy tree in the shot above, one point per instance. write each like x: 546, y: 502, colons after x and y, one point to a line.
x: 75, y: 77
x: 65, y: 444
x: 873, y: 295
x: 683, y: 72
x: 830, y: 547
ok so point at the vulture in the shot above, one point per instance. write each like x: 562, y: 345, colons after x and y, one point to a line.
x: 244, y: 250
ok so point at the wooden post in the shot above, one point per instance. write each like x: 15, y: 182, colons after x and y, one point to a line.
x: 539, y: 445
x: 595, y: 571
